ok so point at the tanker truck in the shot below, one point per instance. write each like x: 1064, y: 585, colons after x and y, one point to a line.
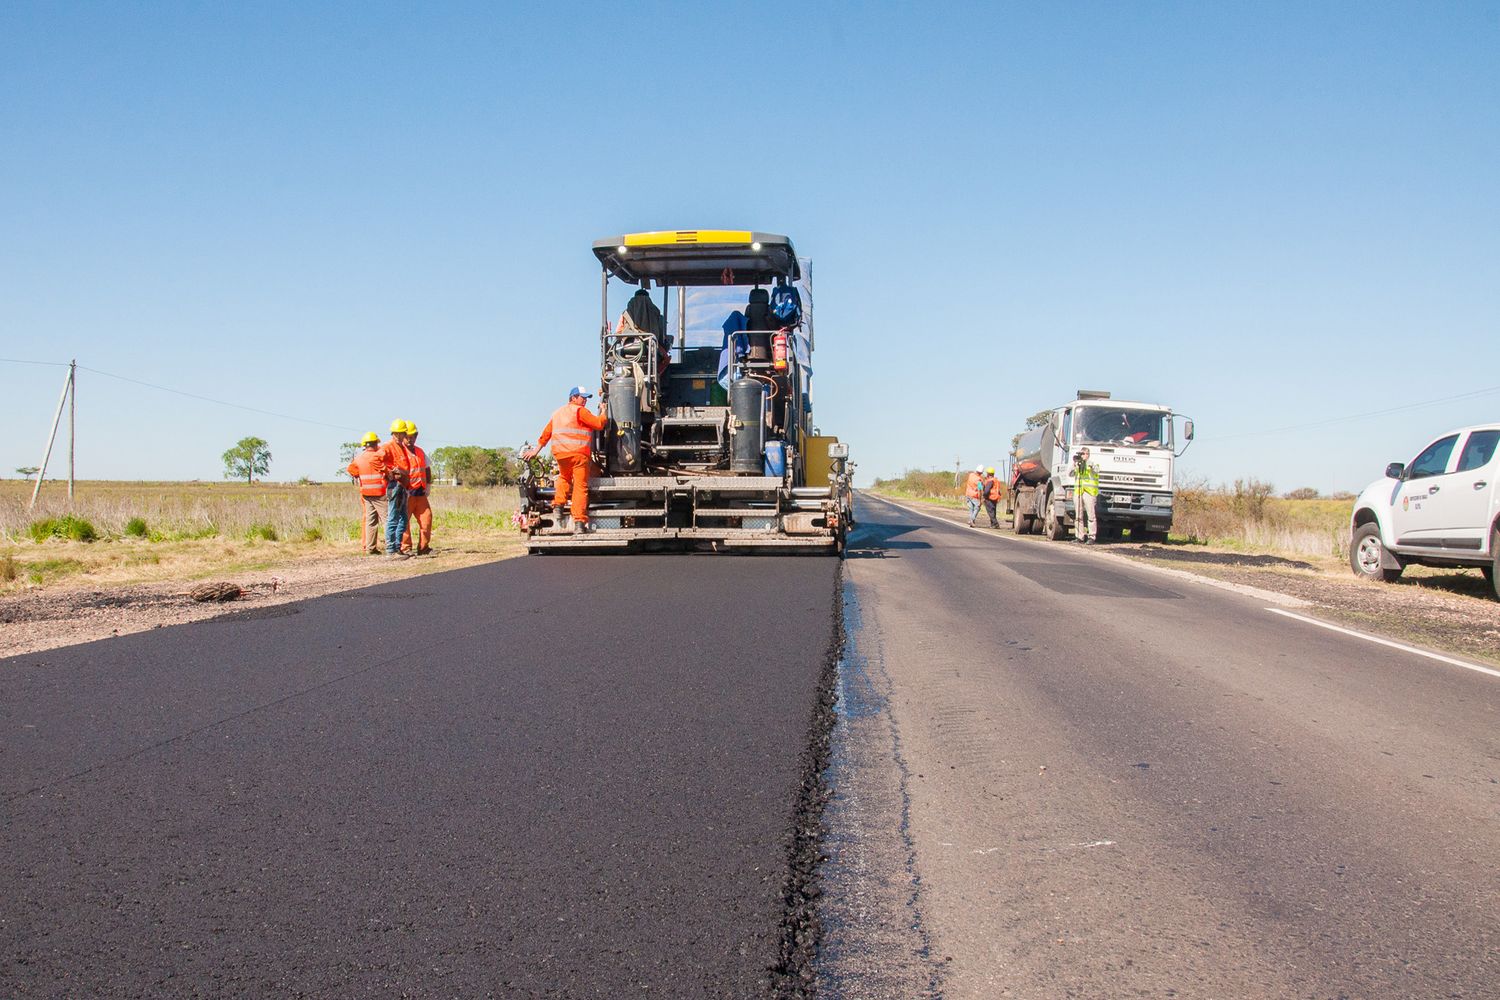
x: 710, y: 442
x: 1131, y: 444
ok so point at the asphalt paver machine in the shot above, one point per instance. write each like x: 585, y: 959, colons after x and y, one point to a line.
x: 711, y: 443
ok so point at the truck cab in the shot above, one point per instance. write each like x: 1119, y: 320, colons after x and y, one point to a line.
x: 1440, y: 509
x: 1130, y: 443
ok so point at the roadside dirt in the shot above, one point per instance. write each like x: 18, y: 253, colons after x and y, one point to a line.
x: 1449, y: 610
x: 46, y: 618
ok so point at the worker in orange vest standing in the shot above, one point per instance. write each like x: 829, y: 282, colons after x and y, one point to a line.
x: 369, y: 471
x: 571, y: 434
x: 417, y: 505
x: 972, y: 492
x: 397, y: 461
x: 992, y: 490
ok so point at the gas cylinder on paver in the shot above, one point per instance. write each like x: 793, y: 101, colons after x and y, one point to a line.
x: 625, y: 414
x: 747, y: 425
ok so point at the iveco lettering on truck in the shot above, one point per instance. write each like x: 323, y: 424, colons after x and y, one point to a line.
x: 711, y: 442
x: 1131, y: 444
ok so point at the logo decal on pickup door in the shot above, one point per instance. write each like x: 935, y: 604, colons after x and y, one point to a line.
x: 1406, y: 503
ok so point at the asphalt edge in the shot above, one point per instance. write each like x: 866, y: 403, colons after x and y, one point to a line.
x: 800, y: 930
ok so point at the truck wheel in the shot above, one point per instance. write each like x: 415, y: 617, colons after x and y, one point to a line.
x: 1054, y: 529
x: 1366, y: 553
x: 1020, y: 523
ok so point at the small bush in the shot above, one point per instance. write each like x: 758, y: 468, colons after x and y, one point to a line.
x: 312, y: 534
x: 9, y: 569
x: 264, y: 532
x: 136, y: 527
x: 72, y: 528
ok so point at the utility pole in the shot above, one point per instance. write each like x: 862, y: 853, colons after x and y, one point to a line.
x: 67, y: 394
x: 72, y: 422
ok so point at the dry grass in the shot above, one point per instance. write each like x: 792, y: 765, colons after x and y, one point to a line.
x: 1245, y: 517
x: 161, y: 531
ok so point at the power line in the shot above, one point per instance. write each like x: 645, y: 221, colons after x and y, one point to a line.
x: 22, y: 361
x: 1362, y: 416
x: 220, y: 402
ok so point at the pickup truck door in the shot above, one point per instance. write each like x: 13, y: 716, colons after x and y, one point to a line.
x: 1421, y: 511
x: 1474, y: 480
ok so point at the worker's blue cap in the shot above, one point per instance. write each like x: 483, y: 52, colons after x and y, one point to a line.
x: 577, y: 390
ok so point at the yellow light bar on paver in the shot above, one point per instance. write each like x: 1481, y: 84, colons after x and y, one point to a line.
x: 687, y: 236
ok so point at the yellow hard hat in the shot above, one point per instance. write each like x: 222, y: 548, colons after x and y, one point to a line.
x: 370, y: 438
x: 411, y: 428
x: 398, y: 426
x: 991, y: 470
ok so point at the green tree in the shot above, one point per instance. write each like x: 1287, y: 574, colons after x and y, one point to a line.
x: 1037, y: 419
x: 347, y: 451
x: 247, y: 459
x: 28, y: 470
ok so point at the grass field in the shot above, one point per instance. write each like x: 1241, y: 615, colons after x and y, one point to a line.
x: 145, y: 532
x: 1243, y: 517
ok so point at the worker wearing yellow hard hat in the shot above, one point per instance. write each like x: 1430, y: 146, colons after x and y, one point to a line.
x: 368, y: 470
x: 397, y: 459
x: 417, y: 505
x: 992, y: 491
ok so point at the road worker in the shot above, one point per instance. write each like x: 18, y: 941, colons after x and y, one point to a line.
x: 973, y: 491
x: 369, y: 472
x: 417, y: 506
x: 397, y: 461
x: 992, y: 488
x: 570, y: 432
x: 1085, y: 499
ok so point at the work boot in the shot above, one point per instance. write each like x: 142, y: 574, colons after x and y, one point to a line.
x: 583, y: 528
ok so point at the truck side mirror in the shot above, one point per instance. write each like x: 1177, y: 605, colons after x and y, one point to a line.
x: 1187, y: 430
x: 1395, y: 471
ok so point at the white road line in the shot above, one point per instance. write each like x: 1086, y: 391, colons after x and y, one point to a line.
x: 1388, y: 642
x: 1084, y: 552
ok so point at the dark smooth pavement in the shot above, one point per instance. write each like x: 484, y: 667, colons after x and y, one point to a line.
x: 561, y: 776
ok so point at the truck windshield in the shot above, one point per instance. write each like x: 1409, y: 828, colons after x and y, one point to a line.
x: 1115, y: 425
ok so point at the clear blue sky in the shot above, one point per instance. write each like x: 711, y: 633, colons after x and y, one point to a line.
x: 1264, y: 215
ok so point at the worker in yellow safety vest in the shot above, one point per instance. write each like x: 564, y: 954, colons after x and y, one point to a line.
x: 1085, y: 499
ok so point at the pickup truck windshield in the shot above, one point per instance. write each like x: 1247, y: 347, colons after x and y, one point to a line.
x: 1114, y: 425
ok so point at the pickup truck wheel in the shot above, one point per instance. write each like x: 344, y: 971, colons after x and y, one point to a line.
x: 1366, y: 554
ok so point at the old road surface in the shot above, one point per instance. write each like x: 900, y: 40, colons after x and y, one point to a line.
x: 1058, y: 775
x: 561, y: 777
x: 1052, y: 774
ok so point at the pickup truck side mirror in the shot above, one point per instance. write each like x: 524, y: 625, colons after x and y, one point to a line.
x: 1395, y: 471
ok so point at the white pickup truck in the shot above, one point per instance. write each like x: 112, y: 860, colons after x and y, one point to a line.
x: 1441, y: 509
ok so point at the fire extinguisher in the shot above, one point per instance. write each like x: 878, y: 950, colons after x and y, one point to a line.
x: 778, y: 352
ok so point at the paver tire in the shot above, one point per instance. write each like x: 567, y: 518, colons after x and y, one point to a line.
x: 1366, y: 554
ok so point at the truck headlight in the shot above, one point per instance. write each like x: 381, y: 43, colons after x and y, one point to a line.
x: 1165, y: 500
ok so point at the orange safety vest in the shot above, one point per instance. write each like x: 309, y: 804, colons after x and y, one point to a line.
x: 418, y: 468
x: 569, y: 435
x: 995, y: 488
x: 371, y: 472
x: 971, y: 488
x: 395, y: 456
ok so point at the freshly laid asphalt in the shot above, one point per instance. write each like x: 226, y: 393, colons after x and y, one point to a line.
x: 560, y: 776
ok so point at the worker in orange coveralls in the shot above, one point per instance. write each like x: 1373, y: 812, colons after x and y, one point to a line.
x: 369, y: 470
x: 570, y: 432
x: 418, y: 508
